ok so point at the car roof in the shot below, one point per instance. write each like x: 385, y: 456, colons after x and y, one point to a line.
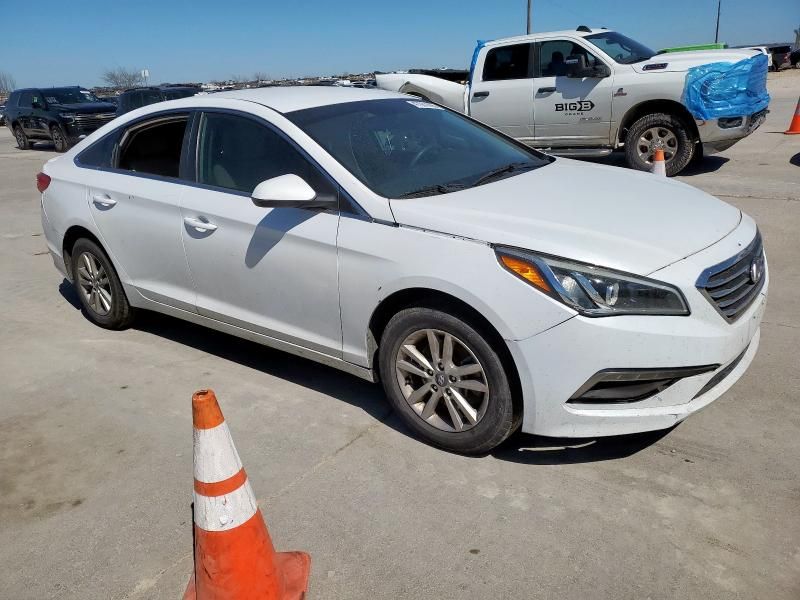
x: 286, y: 99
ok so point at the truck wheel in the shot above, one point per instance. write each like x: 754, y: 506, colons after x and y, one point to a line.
x: 663, y: 131
x: 59, y: 139
x: 23, y: 143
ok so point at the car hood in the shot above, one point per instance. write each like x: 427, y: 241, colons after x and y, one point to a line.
x: 626, y: 220
x: 683, y: 61
x: 85, y: 107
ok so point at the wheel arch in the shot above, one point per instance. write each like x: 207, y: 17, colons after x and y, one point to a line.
x: 72, y: 235
x: 649, y: 107
x: 436, y: 299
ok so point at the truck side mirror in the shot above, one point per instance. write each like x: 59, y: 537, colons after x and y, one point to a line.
x: 578, y: 67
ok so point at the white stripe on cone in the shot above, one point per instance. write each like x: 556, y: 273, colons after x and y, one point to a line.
x: 659, y: 168
x: 222, y: 513
x: 215, y: 456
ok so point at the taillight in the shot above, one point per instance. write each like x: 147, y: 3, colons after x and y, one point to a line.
x: 42, y: 181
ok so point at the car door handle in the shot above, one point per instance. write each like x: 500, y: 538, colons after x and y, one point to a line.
x: 480, y: 94
x: 104, y: 200
x: 199, y: 224
x: 546, y: 90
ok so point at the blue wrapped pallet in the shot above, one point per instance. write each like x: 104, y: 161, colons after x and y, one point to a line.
x: 727, y: 89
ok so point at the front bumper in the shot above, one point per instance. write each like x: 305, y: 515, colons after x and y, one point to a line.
x: 716, y: 139
x: 556, y: 363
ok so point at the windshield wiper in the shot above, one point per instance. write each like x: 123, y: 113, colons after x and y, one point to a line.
x: 499, y: 172
x: 433, y: 190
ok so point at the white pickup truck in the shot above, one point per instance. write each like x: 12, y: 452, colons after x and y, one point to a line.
x: 586, y: 93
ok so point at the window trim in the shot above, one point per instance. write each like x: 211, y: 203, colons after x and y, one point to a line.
x: 531, y: 62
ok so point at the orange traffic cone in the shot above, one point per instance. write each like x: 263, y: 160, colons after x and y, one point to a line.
x: 233, y: 554
x: 659, y: 167
x: 794, y: 127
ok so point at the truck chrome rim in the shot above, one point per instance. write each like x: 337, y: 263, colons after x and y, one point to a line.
x: 442, y: 380
x: 657, y: 137
x: 94, y: 284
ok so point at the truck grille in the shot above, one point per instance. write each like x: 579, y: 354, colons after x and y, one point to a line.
x: 732, y: 285
x: 93, y: 120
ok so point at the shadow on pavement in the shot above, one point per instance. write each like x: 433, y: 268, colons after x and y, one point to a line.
x: 795, y: 160
x: 520, y: 448
x: 539, y: 450
x: 708, y: 164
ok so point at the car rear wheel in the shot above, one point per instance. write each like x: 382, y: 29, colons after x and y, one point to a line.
x: 663, y: 131
x: 59, y: 139
x: 446, y: 381
x: 23, y: 143
x: 98, y: 287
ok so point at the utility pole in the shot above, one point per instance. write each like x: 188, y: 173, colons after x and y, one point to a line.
x: 529, y: 18
x: 716, y: 35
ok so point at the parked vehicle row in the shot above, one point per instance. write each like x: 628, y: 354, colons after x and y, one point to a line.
x: 586, y: 92
x: 486, y: 285
x: 65, y: 115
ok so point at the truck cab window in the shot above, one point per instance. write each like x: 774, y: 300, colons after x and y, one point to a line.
x: 553, y: 54
x: 507, y: 62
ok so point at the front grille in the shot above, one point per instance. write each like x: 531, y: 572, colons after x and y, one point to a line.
x: 93, y: 120
x: 732, y: 285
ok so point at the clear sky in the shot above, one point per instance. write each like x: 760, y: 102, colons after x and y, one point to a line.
x: 47, y: 42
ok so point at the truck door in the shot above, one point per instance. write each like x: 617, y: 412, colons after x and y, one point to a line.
x: 502, y: 89
x: 569, y: 111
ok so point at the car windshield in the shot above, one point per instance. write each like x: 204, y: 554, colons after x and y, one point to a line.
x: 69, y: 96
x: 622, y: 49
x: 405, y: 147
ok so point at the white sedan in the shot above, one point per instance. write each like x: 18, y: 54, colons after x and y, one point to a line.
x: 486, y: 285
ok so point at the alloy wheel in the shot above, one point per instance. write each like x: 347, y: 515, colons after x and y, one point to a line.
x: 442, y: 380
x: 94, y: 284
x: 654, y: 138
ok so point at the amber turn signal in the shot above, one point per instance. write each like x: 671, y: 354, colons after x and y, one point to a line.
x: 526, y: 271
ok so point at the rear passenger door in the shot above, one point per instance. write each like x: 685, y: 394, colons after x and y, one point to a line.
x: 501, y: 93
x: 269, y: 270
x: 134, y: 198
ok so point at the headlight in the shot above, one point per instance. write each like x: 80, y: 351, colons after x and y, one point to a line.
x: 69, y: 117
x: 593, y: 291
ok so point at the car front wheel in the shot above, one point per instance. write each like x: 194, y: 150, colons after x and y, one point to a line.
x: 655, y: 131
x: 59, y: 139
x: 446, y: 381
x: 98, y: 287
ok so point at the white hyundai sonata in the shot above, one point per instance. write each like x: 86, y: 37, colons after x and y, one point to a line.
x: 488, y: 286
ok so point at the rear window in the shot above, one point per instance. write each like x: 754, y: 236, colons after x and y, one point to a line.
x: 100, y: 154
x: 154, y: 148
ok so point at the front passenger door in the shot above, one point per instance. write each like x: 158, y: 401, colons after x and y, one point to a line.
x: 269, y: 270
x: 569, y: 111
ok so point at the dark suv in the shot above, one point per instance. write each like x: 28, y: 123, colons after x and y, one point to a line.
x: 139, y: 97
x: 64, y: 115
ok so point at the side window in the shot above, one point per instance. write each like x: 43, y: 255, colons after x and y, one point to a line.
x: 100, y: 154
x: 238, y: 153
x: 25, y: 100
x: 507, y: 62
x: 552, y: 56
x: 155, y: 147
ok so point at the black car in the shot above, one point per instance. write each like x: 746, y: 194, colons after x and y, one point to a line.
x: 794, y: 57
x: 138, y: 97
x: 64, y: 115
x: 2, y: 114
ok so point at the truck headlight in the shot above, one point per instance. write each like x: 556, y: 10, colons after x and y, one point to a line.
x: 590, y: 290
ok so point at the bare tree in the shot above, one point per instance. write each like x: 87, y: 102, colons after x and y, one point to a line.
x: 260, y: 76
x: 7, y: 83
x: 122, y: 77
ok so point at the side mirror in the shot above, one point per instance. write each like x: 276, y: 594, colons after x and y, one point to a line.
x: 577, y: 67
x: 36, y: 104
x: 288, y: 191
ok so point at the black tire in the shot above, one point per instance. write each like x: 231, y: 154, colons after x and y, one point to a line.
x: 120, y: 314
x: 499, y: 420
x: 23, y: 143
x: 681, y: 154
x: 59, y: 138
